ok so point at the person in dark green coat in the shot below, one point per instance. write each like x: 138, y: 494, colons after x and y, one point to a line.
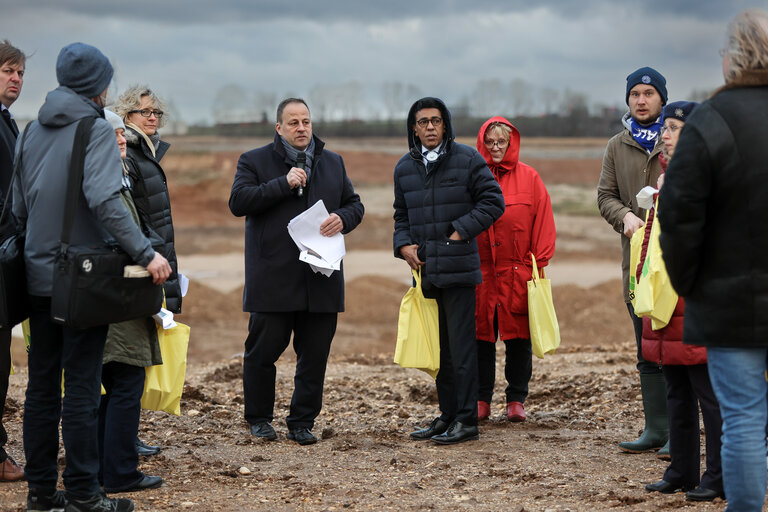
x: 130, y: 347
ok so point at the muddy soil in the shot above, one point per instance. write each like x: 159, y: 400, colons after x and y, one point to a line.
x: 583, y: 400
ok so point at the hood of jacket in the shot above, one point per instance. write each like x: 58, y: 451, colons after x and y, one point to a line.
x: 63, y: 106
x: 414, y: 143
x: 511, y: 157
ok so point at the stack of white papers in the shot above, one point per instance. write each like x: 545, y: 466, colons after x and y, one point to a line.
x: 322, y: 253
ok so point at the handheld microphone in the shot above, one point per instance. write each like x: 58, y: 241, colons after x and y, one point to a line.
x: 301, y: 163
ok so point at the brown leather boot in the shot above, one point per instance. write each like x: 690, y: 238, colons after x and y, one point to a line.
x: 10, y: 471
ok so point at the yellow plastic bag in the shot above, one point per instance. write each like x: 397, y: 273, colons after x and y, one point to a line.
x: 25, y: 333
x: 418, y: 331
x: 542, y: 320
x: 656, y: 298
x: 164, y: 383
x: 635, y: 250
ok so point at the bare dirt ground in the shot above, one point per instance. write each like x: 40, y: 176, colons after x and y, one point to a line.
x: 583, y: 400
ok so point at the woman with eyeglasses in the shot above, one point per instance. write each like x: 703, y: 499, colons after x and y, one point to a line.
x: 144, y: 113
x: 501, y: 308
x: 684, y: 367
x: 129, y: 348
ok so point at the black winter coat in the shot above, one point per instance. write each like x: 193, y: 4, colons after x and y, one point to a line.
x: 7, y: 145
x: 459, y: 193
x: 150, y: 194
x: 713, y: 209
x: 275, y: 279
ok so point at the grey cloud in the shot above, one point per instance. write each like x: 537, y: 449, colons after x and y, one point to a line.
x: 249, y: 11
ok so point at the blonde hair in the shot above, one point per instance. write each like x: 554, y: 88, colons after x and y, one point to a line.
x: 131, y: 100
x: 747, y: 43
x: 501, y: 127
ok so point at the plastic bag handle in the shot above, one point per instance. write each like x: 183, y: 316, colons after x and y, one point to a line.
x: 535, y: 270
x: 416, y: 277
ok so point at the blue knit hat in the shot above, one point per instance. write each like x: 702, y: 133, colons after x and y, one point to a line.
x: 84, y: 69
x: 678, y: 110
x: 648, y: 76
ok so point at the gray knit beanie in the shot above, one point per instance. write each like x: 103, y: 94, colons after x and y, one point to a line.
x: 115, y: 120
x: 84, y: 69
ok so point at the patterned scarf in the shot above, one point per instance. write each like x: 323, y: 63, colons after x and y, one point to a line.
x: 645, y: 135
x: 291, y: 153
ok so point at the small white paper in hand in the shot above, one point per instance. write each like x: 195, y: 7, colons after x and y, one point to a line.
x: 645, y: 197
x: 164, y: 318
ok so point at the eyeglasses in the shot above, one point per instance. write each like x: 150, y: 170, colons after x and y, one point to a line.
x: 671, y: 129
x: 501, y: 144
x: 436, y: 121
x: 146, y: 113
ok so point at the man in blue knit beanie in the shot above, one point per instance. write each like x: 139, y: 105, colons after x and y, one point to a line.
x: 630, y: 163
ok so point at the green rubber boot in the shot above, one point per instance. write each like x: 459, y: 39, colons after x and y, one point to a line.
x: 663, y: 454
x: 656, y: 433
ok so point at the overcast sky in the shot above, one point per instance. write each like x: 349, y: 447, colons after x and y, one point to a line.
x: 189, y: 51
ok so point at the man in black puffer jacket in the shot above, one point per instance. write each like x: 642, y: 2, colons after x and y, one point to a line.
x: 445, y: 196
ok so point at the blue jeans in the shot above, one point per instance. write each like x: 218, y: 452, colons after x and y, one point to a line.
x: 738, y: 378
x: 79, y: 353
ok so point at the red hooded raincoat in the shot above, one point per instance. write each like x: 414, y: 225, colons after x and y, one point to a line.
x: 527, y: 226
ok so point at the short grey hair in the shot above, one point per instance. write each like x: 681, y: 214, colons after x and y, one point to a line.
x: 131, y: 100
x: 747, y: 43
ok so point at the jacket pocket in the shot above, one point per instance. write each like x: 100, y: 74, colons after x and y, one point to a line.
x: 456, y: 257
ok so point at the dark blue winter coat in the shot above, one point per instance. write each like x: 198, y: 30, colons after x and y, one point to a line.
x: 458, y: 193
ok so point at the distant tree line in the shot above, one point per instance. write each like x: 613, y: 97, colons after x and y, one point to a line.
x: 351, y: 109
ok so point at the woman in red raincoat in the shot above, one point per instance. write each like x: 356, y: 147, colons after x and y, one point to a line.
x: 526, y: 227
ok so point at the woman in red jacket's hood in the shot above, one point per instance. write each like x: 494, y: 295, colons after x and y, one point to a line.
x: 527, y: 227
x: 501, y: 157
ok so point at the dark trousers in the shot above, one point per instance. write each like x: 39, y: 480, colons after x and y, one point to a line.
x: 643, y: 366
x: 119, y: 414
x: 79, y: 353
x: 5, y: 369
x: 457, y: 379
x: 518, y: 367
x: 687, y: 388
x: 268, y: 337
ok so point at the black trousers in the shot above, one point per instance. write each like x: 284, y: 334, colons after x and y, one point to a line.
x: 518, y: 367
x: 119, y: 414
x: 268, y: 337
x: 5, y: 369
x: 79, y: 353
x: 687, y: 388
x: 643, y: 366
x: 457, y: 379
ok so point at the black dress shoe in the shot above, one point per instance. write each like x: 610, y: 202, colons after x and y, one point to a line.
x: 665, y: 487
x: 437, y: 426
x: 703, y: 494
x: 302, y: 435
x: 457, y: 433
x: 146, y: 482
x: 264, y: 431
x: 146, y: 450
